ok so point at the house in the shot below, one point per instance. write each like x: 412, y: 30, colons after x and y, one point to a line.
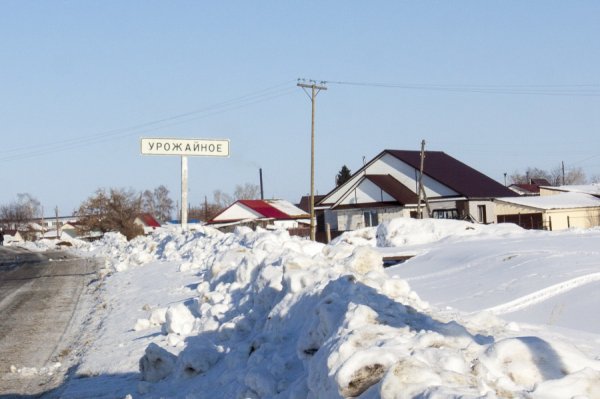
x: 275, y: 213
x: 147, y: 221
x: 559, y: 211
x: 531, y: 188
x: 387, y: 187
x: 12, y: 237
x: 592, y: 189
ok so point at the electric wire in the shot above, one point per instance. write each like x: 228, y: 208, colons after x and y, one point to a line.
x: 579, y: 90
x: 259, y: 96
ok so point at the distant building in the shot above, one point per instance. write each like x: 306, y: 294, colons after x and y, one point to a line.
x: 147, y: 221
x: 560, y: 211
x: 531, y: 188
x: 12, y: 237
x: 592, y: 189
x: 275, y: 213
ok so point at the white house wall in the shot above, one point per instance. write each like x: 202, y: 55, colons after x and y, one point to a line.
x: 561, y: 219
x: 367, y: 192
x: 404, y: 173
x: 490, y: 210
x: 331, y: 219
x: 408, y: 176
x: 352, y: 219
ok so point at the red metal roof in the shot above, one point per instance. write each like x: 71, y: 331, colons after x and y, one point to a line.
x: 148, y: 220
x: 265, y: 209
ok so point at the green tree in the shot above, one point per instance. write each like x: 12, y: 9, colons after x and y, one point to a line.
x: 343, y: 176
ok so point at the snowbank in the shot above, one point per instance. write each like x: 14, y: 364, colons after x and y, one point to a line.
x: 274, y: 316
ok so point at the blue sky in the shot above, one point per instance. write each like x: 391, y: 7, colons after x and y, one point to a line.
x: 83, y: 81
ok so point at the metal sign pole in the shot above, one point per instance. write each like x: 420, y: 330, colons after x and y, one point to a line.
x: 184, y: 192
x: 185, y: 148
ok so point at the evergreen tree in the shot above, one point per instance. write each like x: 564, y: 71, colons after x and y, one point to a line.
x: 343, y: 176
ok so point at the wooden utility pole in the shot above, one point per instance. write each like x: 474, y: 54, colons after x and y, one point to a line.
x: 315, y: 89
x: 57, y: 227
x: 422, y: 193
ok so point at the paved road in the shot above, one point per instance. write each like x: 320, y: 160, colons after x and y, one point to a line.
x: 38, y: 298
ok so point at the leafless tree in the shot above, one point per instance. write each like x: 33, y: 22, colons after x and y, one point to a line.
x: 158, y: 203
x: 111, y: 210
x: 19, y: 215
x: 246, y: 191
x: 554, y: 176
x: 531, y: 173
x: 222, y: 199
x: 571, y: 176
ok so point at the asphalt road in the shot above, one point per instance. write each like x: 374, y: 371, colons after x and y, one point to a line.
x: 38, y: 298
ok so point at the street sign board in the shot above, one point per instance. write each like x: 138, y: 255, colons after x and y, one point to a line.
x: 185, y: 147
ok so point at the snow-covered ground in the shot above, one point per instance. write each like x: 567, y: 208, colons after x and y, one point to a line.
x: 479, y: 311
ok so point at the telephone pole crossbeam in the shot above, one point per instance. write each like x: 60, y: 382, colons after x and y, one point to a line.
x: 314, y: 90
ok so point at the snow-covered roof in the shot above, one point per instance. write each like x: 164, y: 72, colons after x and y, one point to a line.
x: 568, y: 200
x: 593, y: 189
x: 258, y: 209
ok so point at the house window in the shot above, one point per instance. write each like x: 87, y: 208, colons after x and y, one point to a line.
x: 482, y: 214
x: 370, y: 218
x: 445, y: 213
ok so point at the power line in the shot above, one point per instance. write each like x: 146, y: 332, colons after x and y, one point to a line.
x: 259, y: 96
x: 578, y: 90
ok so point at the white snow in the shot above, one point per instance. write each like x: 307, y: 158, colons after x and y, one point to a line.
x: 479, y: 311
x: 557, y: 201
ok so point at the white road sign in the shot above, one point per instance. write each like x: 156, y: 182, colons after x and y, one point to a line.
x: 191, y: 147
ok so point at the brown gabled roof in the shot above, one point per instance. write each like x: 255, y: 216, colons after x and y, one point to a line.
x: 449, y: 171
x: 305, y: 202
x: 540, y: 182
x: 532, y: 188
x: 394, y: 188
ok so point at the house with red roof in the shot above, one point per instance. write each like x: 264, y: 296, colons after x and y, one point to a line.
x: 388, y: 187
x: 147, y: 221
x: 274, y: 213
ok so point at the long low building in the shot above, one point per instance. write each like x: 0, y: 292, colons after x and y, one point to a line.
x: 550, y: 212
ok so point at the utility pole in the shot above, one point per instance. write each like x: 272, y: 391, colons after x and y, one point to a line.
x: 422, y: 193
x: 314, y: 90
x: 563, y: 173
x: 57, y: 227
x: 205, y: 209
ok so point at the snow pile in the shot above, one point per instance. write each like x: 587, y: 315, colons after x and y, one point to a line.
x: 407, y: 231
x: 274, y: 316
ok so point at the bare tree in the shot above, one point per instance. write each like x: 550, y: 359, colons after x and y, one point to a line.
x: 531, y: 173
x: 247, y: 191
x: 19, y: 215
x: 112, y: 210
x: 158, y: 203
x: 222, y: 199
x: 148, y: 203
x: 571, y: 176
x: 554, y: 176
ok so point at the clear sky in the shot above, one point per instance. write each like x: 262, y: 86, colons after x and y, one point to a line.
x: 499, y: 85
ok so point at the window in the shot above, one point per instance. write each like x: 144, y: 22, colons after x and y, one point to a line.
x: 371, y: 218
x: 481, y: 212
x: 445, y: 213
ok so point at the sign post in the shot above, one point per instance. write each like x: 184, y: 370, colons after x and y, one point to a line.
x: 185, y: 148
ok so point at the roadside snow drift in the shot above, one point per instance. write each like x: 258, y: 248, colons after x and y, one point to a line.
x: 274, y: 316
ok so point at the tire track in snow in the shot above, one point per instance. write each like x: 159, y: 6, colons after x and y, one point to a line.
x: 543, y: 294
